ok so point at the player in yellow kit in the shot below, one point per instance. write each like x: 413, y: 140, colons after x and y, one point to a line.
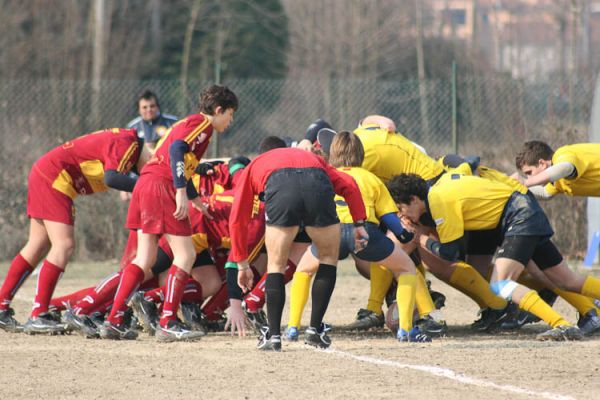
x: 460, y: 203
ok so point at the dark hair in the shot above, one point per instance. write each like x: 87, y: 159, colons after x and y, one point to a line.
x: 239, y: 160
x: 147, y: 95
x: 346, y: 150
x: 215, y: 96
x: 403, y: 186
x: 532, y: 152
x: 270, y: 143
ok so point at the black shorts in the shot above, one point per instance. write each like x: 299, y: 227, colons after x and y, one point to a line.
x: 300, y: 197
x: 482, y: 243
x: 302, y: 237
x: 203, y: 258
x: 163, y: 261
x: 540, y: 249
x: 523, y: 216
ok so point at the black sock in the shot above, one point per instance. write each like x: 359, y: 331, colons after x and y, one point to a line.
x: 275, y: 291
x: 322, y: 289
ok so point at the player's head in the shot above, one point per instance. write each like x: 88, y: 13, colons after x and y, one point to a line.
x: 379, y: 120
x: 148, y: 107
x: 346, y: 150
x: 220, y: 103
x: 270, y: 143
x: 409, y: 191
x: 235, y: 166
x: 314, y: 128
x: 534, y: 157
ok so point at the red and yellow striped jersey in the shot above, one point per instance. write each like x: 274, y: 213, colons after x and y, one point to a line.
x: 77, y: 167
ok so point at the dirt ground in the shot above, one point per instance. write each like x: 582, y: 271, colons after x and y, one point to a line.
x: 461, y: 365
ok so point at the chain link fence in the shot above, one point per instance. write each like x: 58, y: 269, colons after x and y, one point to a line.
x: 486, y: 116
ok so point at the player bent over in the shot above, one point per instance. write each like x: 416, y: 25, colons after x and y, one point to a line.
x: 86, y: 165
x: 298, y: 189
x: 159, y: 206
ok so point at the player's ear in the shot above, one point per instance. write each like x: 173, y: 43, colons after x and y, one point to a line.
x: 219, y: 110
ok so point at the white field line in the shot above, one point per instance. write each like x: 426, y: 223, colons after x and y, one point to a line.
x: 450, y: 374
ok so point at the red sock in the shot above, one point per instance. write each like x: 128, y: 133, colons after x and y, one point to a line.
x: 17, y: 273
x: 155, y: 295
x: 174, y: 287
x: 217, y: 304
x: 192, y: 292
x: 102, y: 308
x: 131, y: 279
x: 151, y: 283
x: 105, y: 291
x: 70, y: 300
x: 256, y: 298
x: 47, y: 280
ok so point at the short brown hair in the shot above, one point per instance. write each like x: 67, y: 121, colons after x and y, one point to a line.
x: 346, y: 150
x: 215, y: 96
x: 532, y: 152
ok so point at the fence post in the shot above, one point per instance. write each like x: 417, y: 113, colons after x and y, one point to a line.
x: 215, y: 146
x: 454, y: 110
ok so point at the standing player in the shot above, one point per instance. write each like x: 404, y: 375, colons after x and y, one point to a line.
x: 88, y: 164
x: 159, y: 206
x: 298, y: 189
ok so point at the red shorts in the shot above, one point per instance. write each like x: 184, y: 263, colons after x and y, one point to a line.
x: 152, y: 206
x: 44, y: 202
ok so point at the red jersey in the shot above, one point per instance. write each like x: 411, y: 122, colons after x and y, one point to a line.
x: 77, y: 167
x: 196, y: 131
x: 214, y: 233
x: 217, y: 182
x: 254, y: 179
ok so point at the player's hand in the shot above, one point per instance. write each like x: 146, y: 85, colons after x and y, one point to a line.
x: 245, y: 276
x: 203, y: 208
x: 236, y: 320
x: 518, y: 177
x: 125, y: 196
x: 361, y: 238
x: 305, y: 144
x: 181, y: 203
x: 208, y: 167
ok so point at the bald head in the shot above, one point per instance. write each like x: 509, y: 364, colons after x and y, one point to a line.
x: 381, y: 121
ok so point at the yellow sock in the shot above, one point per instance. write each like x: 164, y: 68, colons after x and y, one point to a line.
x: 534, y: 304
x: 381, y: 279
x: 466, y: 279
x: 582, y: 304
x: 298, y: 297
x: 591, y: 287
x: 405, y: 300
x: 422, y: 297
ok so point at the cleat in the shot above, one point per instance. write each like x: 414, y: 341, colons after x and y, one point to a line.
x: 366, y: 319
x: 192, y: 316
x: 561, y: 333
x: 291, y: 334
x: 517, y: 321
x: 318, y: 339
x: 98, y: 319
x: 44, y: 323
x: 492, y: 319
x: 589, y: 324
x: 217, y: 325
x: 413, y: 336
x: 439, y: 299
x: 81, y: 324
x: 146, y: 313
x: 8, y: 323
x: 431, y: 326
x: 266, y: 342
x: 177, y: 331
x: 257, y: 319
x: 117, y: 332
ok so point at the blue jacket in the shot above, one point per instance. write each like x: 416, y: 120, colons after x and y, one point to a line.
x: 151, y: 131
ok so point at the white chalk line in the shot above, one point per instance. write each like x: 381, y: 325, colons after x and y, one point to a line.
x: 450, y: 374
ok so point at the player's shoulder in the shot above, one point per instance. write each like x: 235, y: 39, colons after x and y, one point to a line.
x: 134, y: 122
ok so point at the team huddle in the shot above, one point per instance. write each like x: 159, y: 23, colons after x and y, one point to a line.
x: 213, y: 243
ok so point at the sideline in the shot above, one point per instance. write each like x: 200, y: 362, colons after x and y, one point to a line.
x: 449, y: 374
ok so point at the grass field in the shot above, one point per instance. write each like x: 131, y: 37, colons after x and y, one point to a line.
x: 461, y: 365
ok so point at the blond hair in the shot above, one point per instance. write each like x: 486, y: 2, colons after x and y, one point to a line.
x: 346, y: 150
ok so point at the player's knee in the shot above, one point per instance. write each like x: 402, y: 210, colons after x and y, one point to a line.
x: 211, y: 286
x: 504, y: 288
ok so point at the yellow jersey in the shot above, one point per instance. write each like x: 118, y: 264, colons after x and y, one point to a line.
x: 375, y: 195
x: 460, y: 203
x: 389, y: 154
x: 586, y: 159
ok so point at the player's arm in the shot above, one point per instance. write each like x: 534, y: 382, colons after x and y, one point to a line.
x: 552, y: 174
x: 236, y: 320
x: 392, y: 222
x: 177, y: 151
x: 124, y: 182
x: 447, y: 251
x: 541, y: 192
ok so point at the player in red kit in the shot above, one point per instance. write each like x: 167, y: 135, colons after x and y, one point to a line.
x: 85, y: 165
x: 159, y: 206
x: 298, y: 189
